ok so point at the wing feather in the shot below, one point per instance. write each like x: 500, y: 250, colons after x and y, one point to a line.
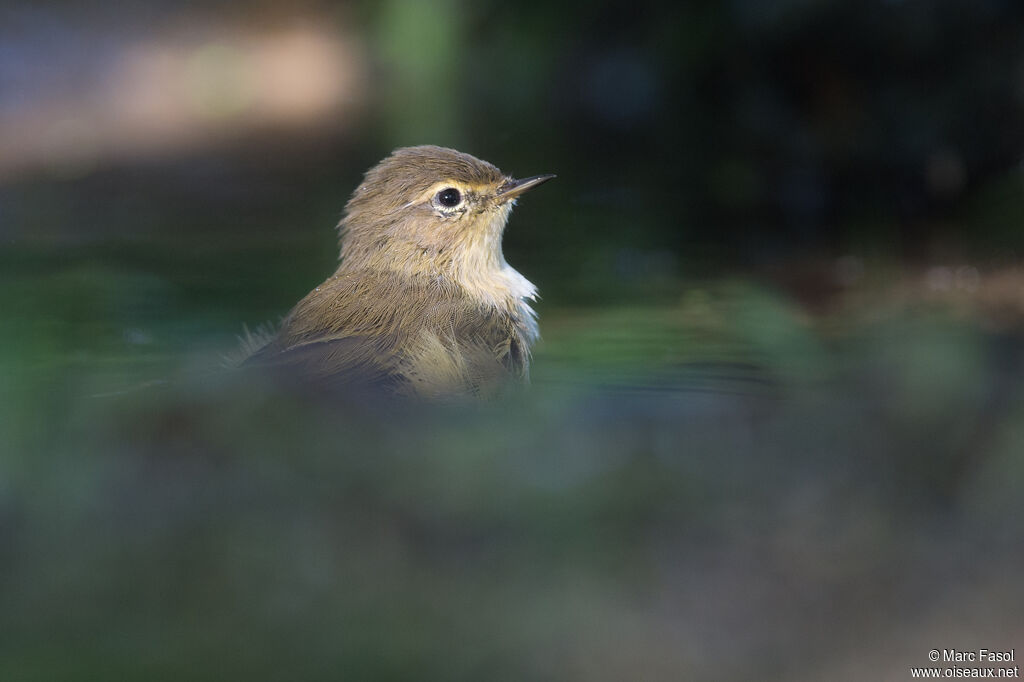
x: 404, y: 336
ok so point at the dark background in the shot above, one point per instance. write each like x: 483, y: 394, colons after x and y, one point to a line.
x: 775, y: 429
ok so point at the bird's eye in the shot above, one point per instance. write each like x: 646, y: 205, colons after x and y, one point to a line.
x: 449, y: 197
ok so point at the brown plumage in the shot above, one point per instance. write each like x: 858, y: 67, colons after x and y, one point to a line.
x: 423, y: 302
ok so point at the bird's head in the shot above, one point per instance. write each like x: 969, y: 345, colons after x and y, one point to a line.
x: 433, y: 211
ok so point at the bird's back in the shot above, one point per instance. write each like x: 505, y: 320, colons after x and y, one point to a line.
x: 437, y: 342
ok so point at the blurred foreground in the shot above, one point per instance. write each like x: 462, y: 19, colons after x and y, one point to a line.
x: 724, y: 488
x: 776, y: 429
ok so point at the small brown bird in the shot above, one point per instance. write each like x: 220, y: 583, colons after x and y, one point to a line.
x: 423, y: 302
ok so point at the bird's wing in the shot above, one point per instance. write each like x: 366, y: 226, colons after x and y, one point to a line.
x: 350, y: 361
x: 405, y: 336
x: 497, y: 335
x: 492, y: 348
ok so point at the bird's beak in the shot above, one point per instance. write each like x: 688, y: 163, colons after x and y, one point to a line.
x: 513, y: 188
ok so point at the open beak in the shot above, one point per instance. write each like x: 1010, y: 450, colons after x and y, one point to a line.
x: 513, y: 188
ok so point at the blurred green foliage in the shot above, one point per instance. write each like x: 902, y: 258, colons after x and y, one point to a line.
x: 756, y: 445
x: 678, y: 476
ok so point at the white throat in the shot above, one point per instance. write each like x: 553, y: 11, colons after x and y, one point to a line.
x: 482, y: 271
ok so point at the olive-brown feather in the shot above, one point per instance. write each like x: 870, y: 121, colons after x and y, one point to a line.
x: 423, y: 301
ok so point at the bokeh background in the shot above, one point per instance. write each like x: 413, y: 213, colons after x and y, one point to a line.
x: 776, y: 428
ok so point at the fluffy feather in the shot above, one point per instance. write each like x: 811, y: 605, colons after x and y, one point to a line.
x: 423, y: 302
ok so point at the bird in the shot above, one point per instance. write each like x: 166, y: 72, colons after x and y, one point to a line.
x: 423, y: 303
